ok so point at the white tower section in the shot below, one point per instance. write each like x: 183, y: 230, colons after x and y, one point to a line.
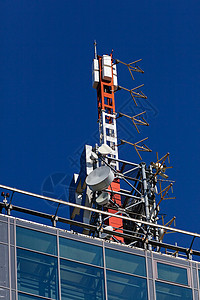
x: 108, y: 135
x: 104, y: 75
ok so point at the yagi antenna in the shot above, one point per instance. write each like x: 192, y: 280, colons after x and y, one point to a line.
x: 160, y: 166
x: 162, y: 159
x: 134, y: 93
x: 164, y: 192
x: 136, y: 121
x: 132, y: 67
x: 137, y: 147
x: 168, y: 224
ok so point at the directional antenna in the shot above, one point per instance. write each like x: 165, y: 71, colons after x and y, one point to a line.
x: 168, y: 224
x: 94, y: 156
x: 100, y: 178
x: 160, y: 166
x: 135, y: 92
x: 104, y: 149
x: 138, y: 148
x: 103, y: 199
x: 132, y: 67
x: 137, y: 119
x: 163, y: 193
x: 163, y: 159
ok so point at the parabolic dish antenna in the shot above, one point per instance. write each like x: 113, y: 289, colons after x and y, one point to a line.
x: 103, y: 199
x: 94, y: 156
x: 100, y: 178
x: 105, y: 149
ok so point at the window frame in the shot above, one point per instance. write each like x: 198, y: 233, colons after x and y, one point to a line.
x: 34, y: 250
x: 101, y: 268
x: 175, y: 264
x: 127, y: 275
x: 198, y: 276
x: 125, y: 272
x: 79, y: 261
x: 53, y: 257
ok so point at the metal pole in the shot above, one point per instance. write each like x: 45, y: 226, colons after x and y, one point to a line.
x: 98, y: 211
x: 95, y: 49
x: 146, y: 200
x: 153, y: 210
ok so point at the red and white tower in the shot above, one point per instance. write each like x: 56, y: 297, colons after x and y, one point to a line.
x: 105, y: 82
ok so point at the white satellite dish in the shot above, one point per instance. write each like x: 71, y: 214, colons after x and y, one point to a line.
x: 107, y: 235
x: 103, y: 199
x: 94, y: 156
x: 105, y: 149
x: 100, y: 178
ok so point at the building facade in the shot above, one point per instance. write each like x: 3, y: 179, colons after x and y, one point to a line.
x: 43, y: 262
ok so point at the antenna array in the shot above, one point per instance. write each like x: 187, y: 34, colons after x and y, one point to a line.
x: 137, y: 189
x: 113, y: 198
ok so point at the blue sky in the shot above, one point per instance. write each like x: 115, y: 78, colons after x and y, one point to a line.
x: 48, y: 105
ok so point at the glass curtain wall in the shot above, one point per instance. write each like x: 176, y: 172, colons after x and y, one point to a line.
x: 54, y: 267
x: 37, y: 264
x: 121, y: 285
x: 75, y: 269
x: 172, y: 274
x: 81, y: 270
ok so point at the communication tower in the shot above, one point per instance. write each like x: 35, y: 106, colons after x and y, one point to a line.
x: 114, y: 210
x: 119, y: 187
x: 113, y: 198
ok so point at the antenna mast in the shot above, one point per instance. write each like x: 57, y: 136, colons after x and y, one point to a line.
x: 95, y: 49
x: 105, y: 82
x: 140, y: 201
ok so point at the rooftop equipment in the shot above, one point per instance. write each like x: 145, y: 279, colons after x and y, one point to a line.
x: 114, y: 198
x: 100, y: 178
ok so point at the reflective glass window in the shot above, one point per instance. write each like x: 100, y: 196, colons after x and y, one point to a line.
x: 28, y: 297
x: 172, y: 273
x: 4, y: 263
x: 166, y: 291
x: 37, y: 274
x: 199, y: 277
x: 4, y: 232
x: 80, y: 281
x: 125, y: 262
x: 81, y: 252
x: 36, y: 240
x: 126, y: 287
